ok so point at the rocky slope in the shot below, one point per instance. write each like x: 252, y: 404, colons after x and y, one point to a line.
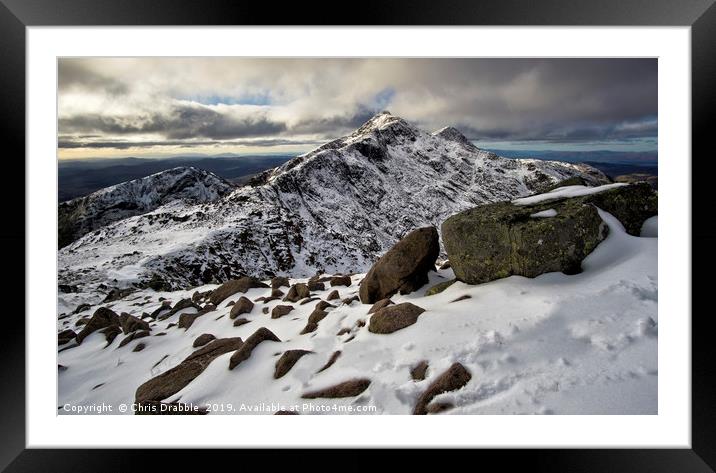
x: 334, y: 209
x: 82, y: 215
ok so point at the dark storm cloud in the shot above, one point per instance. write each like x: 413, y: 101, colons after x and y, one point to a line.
x: 181, y: 122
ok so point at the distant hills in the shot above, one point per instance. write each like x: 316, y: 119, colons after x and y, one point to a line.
x: 83, y: 176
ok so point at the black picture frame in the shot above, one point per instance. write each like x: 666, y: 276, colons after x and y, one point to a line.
x: 700, y: 15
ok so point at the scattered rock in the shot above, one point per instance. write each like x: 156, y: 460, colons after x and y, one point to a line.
x: 130, y: 323
x: 404, y: 268
x: 418, y: 371
x: 350, y: 300
x: 166, y: 305
x: 232, y: 287
x: 242, y: 306
x: 81, y: 308
x: 343, y: 331
x: 115, y: 294
x: 454, y: 378
x: 175, y: 379
x: 462, y: 298
x: 308, y: 299
x: 393, y: 318
x: 333, y: 295
x: 265, y: 310
x: 133, y: 336
x: 318, y: 314
x: 203, y: 339
x: 110, y: 333
x: 379, y: 305
x: 102, y: 318
x: 139, y: 347
x: 346, y: 389
x: 181, y: 305
x: 66, y: 336
x: 280, y: 311
x: 285, y: 413
x: 277, y: 293
x: 241, y: 321
x: 244, y: 351
x: 279, y: 281
x: 297, y: 292
x: 341, y: 281
x: 287, y: 360
x: 66, y: 288
x: 315, y: 286
x: 440, y: 287
x: 331, y: 360
x: 187, y: 320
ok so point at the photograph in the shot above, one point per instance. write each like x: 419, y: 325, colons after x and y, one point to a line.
x: 357, y: 235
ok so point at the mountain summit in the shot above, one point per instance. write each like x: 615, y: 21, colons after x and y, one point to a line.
x: 334, y: 209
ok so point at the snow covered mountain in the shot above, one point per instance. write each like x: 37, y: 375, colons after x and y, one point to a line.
x: 334, y: 209
x: 82, y: 215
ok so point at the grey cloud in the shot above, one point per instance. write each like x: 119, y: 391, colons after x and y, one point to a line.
x: 71, y: 143
x: 181, y: 122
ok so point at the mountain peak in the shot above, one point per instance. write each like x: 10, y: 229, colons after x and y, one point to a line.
x: 382, y: 120
x: 452, y: 134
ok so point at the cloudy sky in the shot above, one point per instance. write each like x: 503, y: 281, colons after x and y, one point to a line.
x: 173, y: 106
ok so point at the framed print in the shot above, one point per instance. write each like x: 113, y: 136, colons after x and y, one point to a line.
x: 416, y: 228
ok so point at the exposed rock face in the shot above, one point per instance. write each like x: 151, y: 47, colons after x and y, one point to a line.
x: 287, y: 360
x: 244, y: 352
x: 242, y: 306
x: 404, y: 268
x: 232, y: 287
x: 346, y: 389
x: 498, y: 240
x: 393, y: 318
x: 174, y: 380
x: 102, y: 318
x: 454, y: 378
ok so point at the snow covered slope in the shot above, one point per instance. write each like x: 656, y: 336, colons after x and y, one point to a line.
x: 82, y: 215
x: 555, y: 344
x: 334, y: 209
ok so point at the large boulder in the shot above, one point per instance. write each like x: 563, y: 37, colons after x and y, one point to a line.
x: 404, y: 268
x: 174, y: 380
x: 297, y: 292
x: 242, y: 306
x: 498, y: 240
x: 394, y: 317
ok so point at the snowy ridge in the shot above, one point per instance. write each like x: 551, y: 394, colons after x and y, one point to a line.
x: 334, y: 209
x: 82, y: 215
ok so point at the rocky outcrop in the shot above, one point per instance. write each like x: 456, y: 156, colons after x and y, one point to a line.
x: 404, y: 268
x: 395, y: 317
x: 499, y: 240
